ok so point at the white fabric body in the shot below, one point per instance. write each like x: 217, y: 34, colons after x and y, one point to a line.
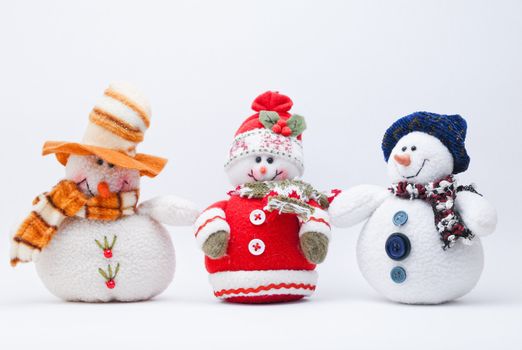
x: 434, y: 275
x: 69, y: 265
x: 231, y: 280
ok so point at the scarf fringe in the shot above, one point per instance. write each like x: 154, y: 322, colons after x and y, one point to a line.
x: 287, y: 206
x: 441, y: 195
x: 287, y: 196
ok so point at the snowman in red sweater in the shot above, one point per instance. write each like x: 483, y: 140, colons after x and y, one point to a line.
x: 262, y: 244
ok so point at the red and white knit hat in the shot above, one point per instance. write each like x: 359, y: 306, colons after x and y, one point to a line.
x: 271, y: 130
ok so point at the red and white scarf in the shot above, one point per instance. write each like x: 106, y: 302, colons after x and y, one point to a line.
x: 441, y: 196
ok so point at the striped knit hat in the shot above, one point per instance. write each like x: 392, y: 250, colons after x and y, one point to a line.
x: 271, y: 130
x: 117, y: 124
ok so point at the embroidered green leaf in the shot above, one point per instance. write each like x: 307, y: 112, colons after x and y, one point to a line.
x: 297, y: 124
x: 268, y: 118
x: 99, y: 244
x: 113, y: 242
x: 117, y: 270
x: 110, y: 272
x: 106, y: 242
x: 104, y: 275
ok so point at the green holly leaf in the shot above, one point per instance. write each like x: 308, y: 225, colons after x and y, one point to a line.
x: 268, y: 118
x: 104, y: 275
x: 297, y: 124
x: 113, y: 241
x: 99, y: 244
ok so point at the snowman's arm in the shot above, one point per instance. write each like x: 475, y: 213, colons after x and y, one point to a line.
x: 477, y: 213
x: 170, y: 210
x: 318, y: 222
x: 212, y: 220
x: 358, y: 203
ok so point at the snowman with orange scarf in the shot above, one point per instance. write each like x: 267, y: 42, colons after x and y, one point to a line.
x: 89, y: 239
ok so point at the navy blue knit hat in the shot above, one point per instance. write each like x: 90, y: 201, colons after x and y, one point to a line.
x: 449, y: 129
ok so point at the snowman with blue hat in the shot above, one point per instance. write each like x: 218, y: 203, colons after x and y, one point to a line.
x: 421, y: 243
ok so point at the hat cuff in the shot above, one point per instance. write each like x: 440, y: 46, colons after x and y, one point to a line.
x: 264, y: 141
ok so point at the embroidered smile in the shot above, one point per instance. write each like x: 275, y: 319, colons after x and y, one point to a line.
x: 84, y: 181
x: 418, y: 172
x: 277, y: 173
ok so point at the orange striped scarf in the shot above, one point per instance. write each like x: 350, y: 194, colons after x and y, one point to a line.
x: 66, y: 200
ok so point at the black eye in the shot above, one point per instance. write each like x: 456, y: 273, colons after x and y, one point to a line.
x: 99, y: 161
x: 404, y: 148
x: 111, y: 165
x: 270, y: 160
x: 413, y: 148
x: 258, y: 159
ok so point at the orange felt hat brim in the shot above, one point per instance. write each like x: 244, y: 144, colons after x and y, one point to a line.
x: 146, y: 164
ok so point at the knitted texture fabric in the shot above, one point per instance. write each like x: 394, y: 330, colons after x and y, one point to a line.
x: 449, y: 129
x: 271, y: 130
x: 441, y: 196
x: 66, y: 200
x: 117, y: 125
x: 287, y: 196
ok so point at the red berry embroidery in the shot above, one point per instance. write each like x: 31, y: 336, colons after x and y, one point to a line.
x: 107, y: 253
x: 286, y: 131
x: 110, y: 276
x: 281, y: 122
x: 277, y: 128
x: 106, y: 247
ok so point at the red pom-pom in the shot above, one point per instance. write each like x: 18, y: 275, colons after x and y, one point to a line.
x: 272, y: 101
x: 277, y: 129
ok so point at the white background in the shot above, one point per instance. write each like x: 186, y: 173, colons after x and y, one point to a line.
x: 351, y: 68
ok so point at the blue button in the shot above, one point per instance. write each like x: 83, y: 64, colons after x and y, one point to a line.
x: 400, y: 218
x: 398, y: 274
x: 398, y: 246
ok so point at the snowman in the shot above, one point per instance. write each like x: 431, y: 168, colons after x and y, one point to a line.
x: 262, y: 244
x: 87, y: 236
x: 421, y: 243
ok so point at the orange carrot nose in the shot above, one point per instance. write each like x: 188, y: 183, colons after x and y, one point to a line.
x: 404, y: 159
x: 103, y: 190
x: 262, y: 170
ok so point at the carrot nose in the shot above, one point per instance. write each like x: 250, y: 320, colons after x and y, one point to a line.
x: 262, y: 170
x: 404, y: 159
x: 103, y: 189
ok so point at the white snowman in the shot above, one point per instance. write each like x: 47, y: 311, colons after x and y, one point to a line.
x: 421, y: 243
x: 87, y: 236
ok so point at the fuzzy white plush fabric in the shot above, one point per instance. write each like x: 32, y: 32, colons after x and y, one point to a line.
x: 170, y: 210
x: 430, y: 159
x: 89, y: 171
x: 433, y: 275
x: 256, y: 283
x: 353, y: 206
x: 479, y: 215
x: 247, y: 169
x: 69, y: 265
